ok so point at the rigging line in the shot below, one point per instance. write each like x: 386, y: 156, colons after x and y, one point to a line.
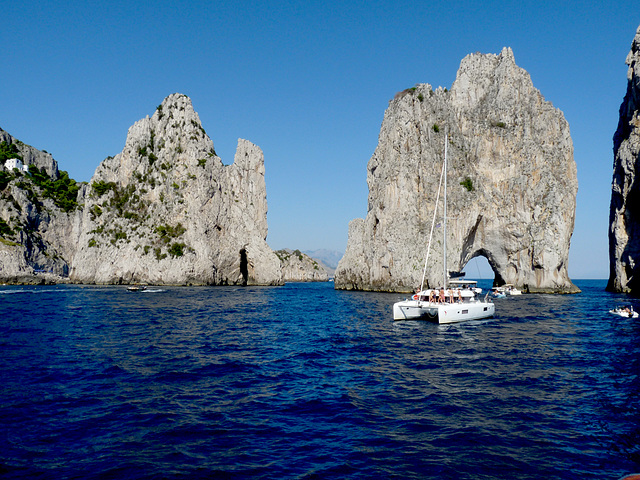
x: 433, y: 222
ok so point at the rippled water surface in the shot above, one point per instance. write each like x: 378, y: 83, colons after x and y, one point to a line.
x: 302, y: 381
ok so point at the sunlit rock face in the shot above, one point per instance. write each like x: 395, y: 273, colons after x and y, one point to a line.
x: 624, y: 216
x: 512, y: 185
x: 37, y: 235
x: 167, y: 211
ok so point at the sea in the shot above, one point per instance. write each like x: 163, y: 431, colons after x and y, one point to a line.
x: 305, y: 382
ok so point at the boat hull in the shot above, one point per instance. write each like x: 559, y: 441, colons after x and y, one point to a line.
x: 442, y: 313
x: 136, y: 288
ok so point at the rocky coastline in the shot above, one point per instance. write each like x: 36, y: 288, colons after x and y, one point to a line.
x: 164, y: 211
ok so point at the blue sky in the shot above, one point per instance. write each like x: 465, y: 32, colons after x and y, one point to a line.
x: 308, y: 82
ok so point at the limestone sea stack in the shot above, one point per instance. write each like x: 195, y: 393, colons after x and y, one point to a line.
x: 167, y: 211
x: 624, y: 215
x: 512, y: 184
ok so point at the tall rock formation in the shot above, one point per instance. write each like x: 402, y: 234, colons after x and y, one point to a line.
x: 512, y: 184
x: 167, y: 211
x: 624, y: 216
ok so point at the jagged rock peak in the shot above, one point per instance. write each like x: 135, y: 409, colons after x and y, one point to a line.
x: 479, y: 75
x: 624, y: 214
x: 512, y: 184
x: 174, y: 127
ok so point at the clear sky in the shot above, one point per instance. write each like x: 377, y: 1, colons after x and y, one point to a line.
x: 308, y: 82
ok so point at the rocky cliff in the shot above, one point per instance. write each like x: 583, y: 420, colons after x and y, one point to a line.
x: 39, y: 220
x: 512, y: 184
x: 300, y: 267
x: 163, y: 211
x: 624, y: 216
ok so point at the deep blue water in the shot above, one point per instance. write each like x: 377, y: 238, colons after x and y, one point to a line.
x: 302, y: 381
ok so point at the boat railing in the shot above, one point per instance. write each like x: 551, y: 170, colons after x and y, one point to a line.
x: 451, y: 296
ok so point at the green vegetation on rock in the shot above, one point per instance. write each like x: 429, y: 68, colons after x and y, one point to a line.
x: 468, y: 184
x: 167, y: 232
x: 100, y: 187
x: 63, y: 191
x: 8, y: 151
x: 5, y: 229
x: 5, y: 178
x: 177, y: 249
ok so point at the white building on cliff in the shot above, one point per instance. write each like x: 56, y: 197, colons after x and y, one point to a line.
x: 12, y: 163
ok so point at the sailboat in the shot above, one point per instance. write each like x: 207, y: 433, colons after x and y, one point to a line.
x: 456, y: 300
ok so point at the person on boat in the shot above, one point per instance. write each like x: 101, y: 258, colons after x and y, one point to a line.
x: 441, y: 296
x: 431, y: 296
x: 459, y: 296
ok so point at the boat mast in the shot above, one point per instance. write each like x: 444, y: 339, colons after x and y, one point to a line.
x: 433, y: 223
x: 444, y: 219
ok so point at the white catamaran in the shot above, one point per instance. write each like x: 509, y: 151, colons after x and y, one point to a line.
x: 456, y: 300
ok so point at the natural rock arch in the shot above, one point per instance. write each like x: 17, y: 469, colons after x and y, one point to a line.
x: 498, y: 280
x: 512, y: 184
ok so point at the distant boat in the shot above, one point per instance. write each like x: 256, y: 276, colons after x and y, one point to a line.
x: 136, y: 288
x: 504, y: 290
x: 457, y: 300
x: 627, y: 312
x: 511, y: 290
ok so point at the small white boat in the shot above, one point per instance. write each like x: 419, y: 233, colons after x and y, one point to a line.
x: 627, y: 312
x: 511, y: 290
x: 457, y: 300
x: 504, y: 290
x: 136, y: 288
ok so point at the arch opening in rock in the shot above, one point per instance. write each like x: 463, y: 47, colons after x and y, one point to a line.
x: 478, y: 268
x: 481, y: 266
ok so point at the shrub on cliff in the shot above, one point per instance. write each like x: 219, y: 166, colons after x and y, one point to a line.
x: 5, y: 229
x: 101, y: 187
x: 468, y: 184
x: 5, y: 178
x: 8, y: 151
